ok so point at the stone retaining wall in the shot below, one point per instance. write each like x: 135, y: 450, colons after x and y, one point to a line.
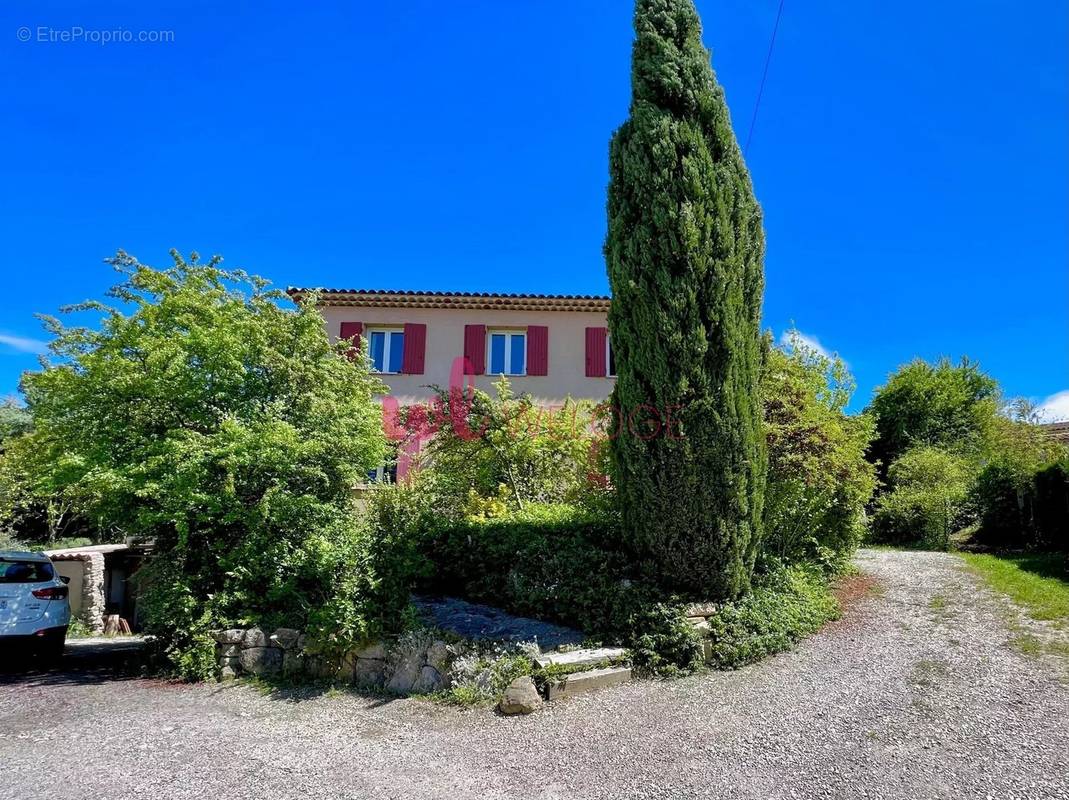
x: 698, y: 615
x: 416, y: 663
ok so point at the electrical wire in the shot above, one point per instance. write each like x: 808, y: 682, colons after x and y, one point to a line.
x: 764, y: 75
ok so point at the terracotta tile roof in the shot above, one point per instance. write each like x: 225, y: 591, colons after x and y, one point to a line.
x: 407, y: 298
x: 1058, y: 431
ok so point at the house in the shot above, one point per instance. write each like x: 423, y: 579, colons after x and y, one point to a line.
x: 553, y: 347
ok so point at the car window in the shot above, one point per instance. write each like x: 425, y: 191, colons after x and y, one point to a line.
x: 12, y: 571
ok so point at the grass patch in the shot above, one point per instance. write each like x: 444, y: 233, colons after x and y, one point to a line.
x: 938, y: 602
x: 1037, y: 582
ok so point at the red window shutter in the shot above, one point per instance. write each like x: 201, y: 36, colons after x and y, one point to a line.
x: 537, y: 350
x: 595, y: 352
x: 474, y: 349
x: 415, y: 348
x: 353, y: 331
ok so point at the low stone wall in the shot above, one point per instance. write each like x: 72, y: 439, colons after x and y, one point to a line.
x: 416, y: 663
x: 698, y: 616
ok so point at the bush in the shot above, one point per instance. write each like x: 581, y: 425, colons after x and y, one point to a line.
x: 1052, y: 506
x: 503, y: 451
x: 927, y: 499
x: 1028, y: 511
x: 786, y: 604
x: 819, y: 481
x: 562, y: 564
x: 1004, y: 503
x: 230, y: 431
x: 482, y: 675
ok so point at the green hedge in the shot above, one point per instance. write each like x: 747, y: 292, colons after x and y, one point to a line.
x: 1024, y: 514
x: 560, y: 564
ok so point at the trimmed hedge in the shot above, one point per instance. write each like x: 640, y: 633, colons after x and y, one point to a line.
x: 561, y: 564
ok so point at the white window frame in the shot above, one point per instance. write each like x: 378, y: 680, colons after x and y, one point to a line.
x: 508, y: 333
x: 387, y: 338
x: 608, y: 359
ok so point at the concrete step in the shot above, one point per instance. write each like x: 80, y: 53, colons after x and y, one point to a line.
x: 579, y: 682
x: 580, y: 658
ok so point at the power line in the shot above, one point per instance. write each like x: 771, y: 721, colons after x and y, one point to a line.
x: 761, y: 90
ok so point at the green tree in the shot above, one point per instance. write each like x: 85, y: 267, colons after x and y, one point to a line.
x: 229, y: 429
x: 684, y: 252
x: 929, y: 487
x: 819, y: 480
x: 15, y: 420
x: 934, y: 405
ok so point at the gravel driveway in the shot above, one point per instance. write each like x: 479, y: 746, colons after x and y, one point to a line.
x: 918, y: 692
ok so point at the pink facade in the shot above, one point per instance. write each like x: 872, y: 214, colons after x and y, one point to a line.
x: 551, y: 347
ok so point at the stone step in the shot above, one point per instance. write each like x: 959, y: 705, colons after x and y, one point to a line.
x: 579, y: 658
x: 579, y: 682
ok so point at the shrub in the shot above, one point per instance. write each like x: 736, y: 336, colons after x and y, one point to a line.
x: 1024, y: 509
x: 785, y: 604
x: 1004, y: 502
x: 503, y: 450
x: 231, y: 431
x: 1052, y: 506
x: 482, y: 675
x: 562, y: 564
x: 1015, y: 493
x: 819, y: 481
x: 927, y: 499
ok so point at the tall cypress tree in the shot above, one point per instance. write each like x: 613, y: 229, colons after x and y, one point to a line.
x: 685, y: 252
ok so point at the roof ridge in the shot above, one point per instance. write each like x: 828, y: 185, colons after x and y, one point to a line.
x: 293, y: 290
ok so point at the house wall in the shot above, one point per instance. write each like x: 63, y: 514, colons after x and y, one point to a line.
x: 445, y: 342
x: 75, y: 570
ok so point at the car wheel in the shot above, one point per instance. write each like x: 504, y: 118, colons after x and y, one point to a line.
x: 51, y: 650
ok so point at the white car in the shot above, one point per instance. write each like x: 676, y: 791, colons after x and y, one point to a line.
x: 34, y: 608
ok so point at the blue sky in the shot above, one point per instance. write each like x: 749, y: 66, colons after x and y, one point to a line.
x: 911, y: 158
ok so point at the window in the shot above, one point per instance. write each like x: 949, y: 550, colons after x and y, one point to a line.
x: 610, y: 359
x: 387, y: 473
x: 386, y: 347
x: 508, y: 353
x: 18, y: 571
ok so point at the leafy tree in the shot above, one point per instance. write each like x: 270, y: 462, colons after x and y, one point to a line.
x: 684, y: 252
x: 1010, y: 483
x: 230, y: 430
x: 36, y: 502
x: 929, y: 490
x: 934, y: 405
x: 15, y: 420
x: 819, y: 480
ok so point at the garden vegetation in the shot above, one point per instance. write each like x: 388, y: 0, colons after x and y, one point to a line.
x: 958, y: 461
x: 685, y: 256
x: 203, y: 416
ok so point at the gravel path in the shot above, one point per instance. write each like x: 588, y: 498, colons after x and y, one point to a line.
x: 918, y: 692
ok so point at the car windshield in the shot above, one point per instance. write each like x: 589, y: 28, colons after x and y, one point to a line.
x: 13, y: 571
